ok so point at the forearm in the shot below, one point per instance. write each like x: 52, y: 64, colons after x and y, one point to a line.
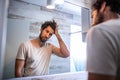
x: 63, y: 48
x: 18, y: 67
x: 18, y: 74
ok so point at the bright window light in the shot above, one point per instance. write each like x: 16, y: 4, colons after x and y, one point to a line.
x: 77, y: 49
x: 50, y: 7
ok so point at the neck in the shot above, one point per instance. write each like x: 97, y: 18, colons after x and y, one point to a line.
x: 37, y: 43
x: 110, y: 15
x: 40, y: 42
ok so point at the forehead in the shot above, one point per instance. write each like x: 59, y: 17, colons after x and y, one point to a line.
x: 49, y: 29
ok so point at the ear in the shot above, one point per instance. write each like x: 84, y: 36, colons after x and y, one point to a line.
x: 103, y: 7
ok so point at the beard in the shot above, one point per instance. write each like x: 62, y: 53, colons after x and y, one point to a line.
x: 99, y: 19
x: 42, y: 39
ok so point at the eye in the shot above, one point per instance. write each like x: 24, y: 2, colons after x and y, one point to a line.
x: 50, y: 34
x: 92, y: 16
x: 47, y: 31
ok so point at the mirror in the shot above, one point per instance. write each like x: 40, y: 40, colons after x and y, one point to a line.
x: 24, y: 20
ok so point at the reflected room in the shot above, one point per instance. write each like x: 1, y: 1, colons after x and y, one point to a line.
x: 24, y: 20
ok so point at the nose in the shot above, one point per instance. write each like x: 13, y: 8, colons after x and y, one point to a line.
x: 47, y: 35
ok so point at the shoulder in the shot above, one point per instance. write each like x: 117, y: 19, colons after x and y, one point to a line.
x: 50, y: 45
x: 25, y: 44
x: 110, y: 27
x: 101, y: 28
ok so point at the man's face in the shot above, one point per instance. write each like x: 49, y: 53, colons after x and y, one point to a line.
x: 46, y: 34
x: 97, y: 17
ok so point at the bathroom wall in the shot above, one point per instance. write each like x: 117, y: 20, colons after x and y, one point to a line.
x: 24, y: 21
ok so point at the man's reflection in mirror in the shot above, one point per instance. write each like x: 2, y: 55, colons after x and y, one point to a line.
x: 34, y: 55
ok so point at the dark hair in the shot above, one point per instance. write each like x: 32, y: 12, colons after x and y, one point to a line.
x: 114, y: 5
x: 52, y: 24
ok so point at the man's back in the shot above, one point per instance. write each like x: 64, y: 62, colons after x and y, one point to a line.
x: 104, y: 48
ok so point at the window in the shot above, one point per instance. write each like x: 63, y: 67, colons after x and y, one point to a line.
x: 77, y: 49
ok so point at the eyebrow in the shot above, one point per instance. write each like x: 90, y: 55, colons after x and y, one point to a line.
x: 49, y: 31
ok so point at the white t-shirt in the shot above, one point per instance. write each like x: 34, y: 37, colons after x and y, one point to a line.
x: 103, y: 48
x: 36, y: 59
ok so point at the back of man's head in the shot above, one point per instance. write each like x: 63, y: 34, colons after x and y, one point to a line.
x: 114, y: 5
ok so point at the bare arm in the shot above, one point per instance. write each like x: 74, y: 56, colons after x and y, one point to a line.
x: 19, y: 64
x: 62, y: 51
x: 93, y: 76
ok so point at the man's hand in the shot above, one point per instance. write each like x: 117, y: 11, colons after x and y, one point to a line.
x: 62, y: 51
x: 56, y: 30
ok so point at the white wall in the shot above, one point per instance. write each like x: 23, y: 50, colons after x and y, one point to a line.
x: 3, y: 27
x: 17, y: 32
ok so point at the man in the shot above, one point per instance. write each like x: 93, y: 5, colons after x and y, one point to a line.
x: 33, y: 56
x: 103, y: 41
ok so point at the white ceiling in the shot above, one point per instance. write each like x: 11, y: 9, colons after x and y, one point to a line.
x: 71, y: 6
